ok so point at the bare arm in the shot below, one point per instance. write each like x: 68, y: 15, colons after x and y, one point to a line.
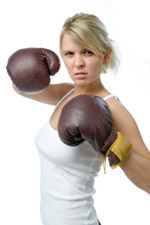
x: 137, y: 169
x: 137, y: 164
x: 51, y: 95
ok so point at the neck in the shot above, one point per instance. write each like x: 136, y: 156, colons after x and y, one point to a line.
x: 93, y: 88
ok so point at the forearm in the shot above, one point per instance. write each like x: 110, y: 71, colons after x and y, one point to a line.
x: 137, y: 170
x: 50, y: 95
x: 41, y: 96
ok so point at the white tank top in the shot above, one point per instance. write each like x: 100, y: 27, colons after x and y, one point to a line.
x: 67, y: 180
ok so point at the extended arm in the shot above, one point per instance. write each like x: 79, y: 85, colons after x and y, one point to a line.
x: 51, y: 95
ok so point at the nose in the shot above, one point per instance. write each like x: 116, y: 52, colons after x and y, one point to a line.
x: 79, y: 61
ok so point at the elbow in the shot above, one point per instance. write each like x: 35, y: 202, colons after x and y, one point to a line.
x: 147, y: 189
x: 147, y: 180
x: 147, y: 186
x: 145, y: 183
x: 143, y: 186
x: 148, y: 192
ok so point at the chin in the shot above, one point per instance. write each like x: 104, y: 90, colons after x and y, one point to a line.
x: 81, y: 83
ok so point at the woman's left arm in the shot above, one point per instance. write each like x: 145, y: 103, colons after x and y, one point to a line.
x: 137, y: 164
x: 137, y: 169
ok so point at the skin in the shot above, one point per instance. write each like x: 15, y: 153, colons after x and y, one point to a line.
x: 84, y: 68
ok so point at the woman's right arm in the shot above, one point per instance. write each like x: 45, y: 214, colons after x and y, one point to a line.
x: 51, y: 95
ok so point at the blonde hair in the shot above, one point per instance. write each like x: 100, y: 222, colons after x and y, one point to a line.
x: 87, y: 31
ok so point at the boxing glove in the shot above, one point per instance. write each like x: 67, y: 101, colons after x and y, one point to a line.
x: 88, y: 117
x: 30, y: 69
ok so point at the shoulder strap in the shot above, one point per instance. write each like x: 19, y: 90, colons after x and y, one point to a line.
x: 111, y: 96
x: 68, y: 93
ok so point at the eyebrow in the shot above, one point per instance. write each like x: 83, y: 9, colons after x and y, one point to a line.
x: 65, y: 50
x: 69, y: 50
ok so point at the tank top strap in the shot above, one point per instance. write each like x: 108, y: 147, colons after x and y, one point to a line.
x: 111, y: 96
x: 68, y: 93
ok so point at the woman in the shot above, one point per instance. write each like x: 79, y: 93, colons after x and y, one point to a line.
x: 67, y: 176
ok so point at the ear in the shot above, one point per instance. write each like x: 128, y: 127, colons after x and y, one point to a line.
x: 107, y: 56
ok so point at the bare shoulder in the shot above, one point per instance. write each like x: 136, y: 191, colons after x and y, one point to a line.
x: 59, y: 91
x: 125, y: 123
x: 119, y: 113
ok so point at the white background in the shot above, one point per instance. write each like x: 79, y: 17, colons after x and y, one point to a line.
x: 34, y: 23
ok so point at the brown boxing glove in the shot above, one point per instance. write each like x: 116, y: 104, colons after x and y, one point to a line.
x: 87, y: 117
x: 30, y: 69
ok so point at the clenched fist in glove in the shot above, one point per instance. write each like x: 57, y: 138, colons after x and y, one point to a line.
x: 87, y: 117
x: 30, y: 69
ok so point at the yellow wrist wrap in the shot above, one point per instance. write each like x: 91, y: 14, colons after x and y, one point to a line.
x: 120, y: 148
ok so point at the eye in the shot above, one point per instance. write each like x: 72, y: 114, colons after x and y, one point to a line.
x: 68, y: 53
x: 87, y: 52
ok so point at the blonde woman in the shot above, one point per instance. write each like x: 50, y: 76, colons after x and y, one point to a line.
x: 68, y: 172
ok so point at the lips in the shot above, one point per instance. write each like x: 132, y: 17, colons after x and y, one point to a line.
x: 80, y: 75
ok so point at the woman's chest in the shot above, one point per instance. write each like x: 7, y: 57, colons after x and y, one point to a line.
x: 55, y: 117
x: 56, y: 114
x: 53, y: 150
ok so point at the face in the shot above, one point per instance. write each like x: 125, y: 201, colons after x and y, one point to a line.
x: 83, y: 65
